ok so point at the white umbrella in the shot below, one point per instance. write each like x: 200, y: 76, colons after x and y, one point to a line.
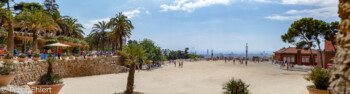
x: 58, y: 45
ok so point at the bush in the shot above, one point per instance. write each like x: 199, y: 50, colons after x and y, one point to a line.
x: 22, y: 56
x: 77, y: 55
x: 320, y: 77
x: 236, y: 87
x: 36, y: 55
x: 8, y: 56
x: 7, y: 68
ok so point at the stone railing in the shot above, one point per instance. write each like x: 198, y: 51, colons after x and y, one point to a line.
x: 28, y: 72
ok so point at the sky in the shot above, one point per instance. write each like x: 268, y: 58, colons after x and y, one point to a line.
x: 222, y: 25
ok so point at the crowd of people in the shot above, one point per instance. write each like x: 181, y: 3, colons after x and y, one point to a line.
x: 55, y: 52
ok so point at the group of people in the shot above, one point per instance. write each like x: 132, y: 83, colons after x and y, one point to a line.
x: 181, y: 63
x: 3, y: 52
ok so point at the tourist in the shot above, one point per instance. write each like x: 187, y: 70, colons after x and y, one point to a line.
x: 59, y: 53
x: 175, y: 63
x: 15, y: 52
x: 29, y: 52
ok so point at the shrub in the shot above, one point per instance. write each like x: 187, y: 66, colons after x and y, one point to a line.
x: 320, y: 77
x: 49, y: 78
x: 236, y: 87
x: 76, y: 55
x: 8, y: 56
x: 22, y: 56
x: 37, y: 55
x: 7, y: 68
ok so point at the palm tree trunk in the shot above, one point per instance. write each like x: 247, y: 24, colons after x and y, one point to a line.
x: 121, y: 42
x: 35, y: 41
x: 340, y: 80
x: 130, y: 83
x: 10, y: 38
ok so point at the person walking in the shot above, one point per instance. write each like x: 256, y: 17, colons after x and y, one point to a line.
x: 82, y: 54
x: 59, y: 53
x: 29, y: 52
x: 15, y: 52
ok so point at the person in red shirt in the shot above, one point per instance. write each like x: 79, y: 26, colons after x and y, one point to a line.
x: 59, y: 53
x: 82, y: 53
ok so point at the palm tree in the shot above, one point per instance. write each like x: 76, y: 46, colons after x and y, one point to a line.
x: 6, y: 19
x: 340, y: 73
x: 133, y: 54
x: 36, y: 20
x: 100, y: 30
x: 72, y: 28
x: 121, y: 27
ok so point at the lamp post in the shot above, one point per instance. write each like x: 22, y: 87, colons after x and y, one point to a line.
x: 246, y: 54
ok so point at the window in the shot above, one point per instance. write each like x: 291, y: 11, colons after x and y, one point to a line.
x: 315, y: 59
x: 305, y: 59
x: 289, y: 58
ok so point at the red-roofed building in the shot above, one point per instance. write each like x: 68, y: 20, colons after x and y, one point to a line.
x: 293, y: 55
x: 328, y: 53
x: 303, y: 57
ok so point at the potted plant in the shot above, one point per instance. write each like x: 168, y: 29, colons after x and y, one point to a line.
x: 22, y: 58
x: 77, y: 56
x: 8, y: 58
x: 36, y: 57
x: 89, y: 56
x: 6, y: 73
x: 71, y: 57
x: 236, y: 87
x: 64, y: 57
x: 320, y: 78
x: 48, y: 83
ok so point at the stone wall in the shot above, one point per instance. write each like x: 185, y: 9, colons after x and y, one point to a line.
x: 28, y: 72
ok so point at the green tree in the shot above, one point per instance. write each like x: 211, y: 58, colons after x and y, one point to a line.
x: 154, y: 52
x: 133, y: 54
x: 23, y: 5
x: 72, y: 28
x: 303, y: 33
x: 36, y: 20
x: 121, y: 27
x: 50, y: 5
x: 99, y: 30
x: 331, y: 33
x: 6, y: 18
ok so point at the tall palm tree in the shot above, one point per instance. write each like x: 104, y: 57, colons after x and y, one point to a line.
x: 6, y: 20
x: 340, y: 72
x: 121, y: 27
x: 100, y: 30
x: 72, y: 28
x: 36, y: 20
x: 133, y: 54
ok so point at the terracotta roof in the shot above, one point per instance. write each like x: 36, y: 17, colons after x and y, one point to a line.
x: 293, y: 50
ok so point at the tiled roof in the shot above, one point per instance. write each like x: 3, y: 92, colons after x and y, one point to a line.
x: 293, y: 50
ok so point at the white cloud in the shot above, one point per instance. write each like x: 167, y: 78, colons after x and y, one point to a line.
x: 311, y: 2
x: 191, y: 5
x: 90, y: 23
x: 326, y: 9
x: 280, y: 17
x: 136, y: 12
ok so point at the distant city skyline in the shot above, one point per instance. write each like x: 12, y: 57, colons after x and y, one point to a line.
x: 222, y: 25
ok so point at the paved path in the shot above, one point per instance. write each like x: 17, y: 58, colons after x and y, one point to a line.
x: 194, y: 78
